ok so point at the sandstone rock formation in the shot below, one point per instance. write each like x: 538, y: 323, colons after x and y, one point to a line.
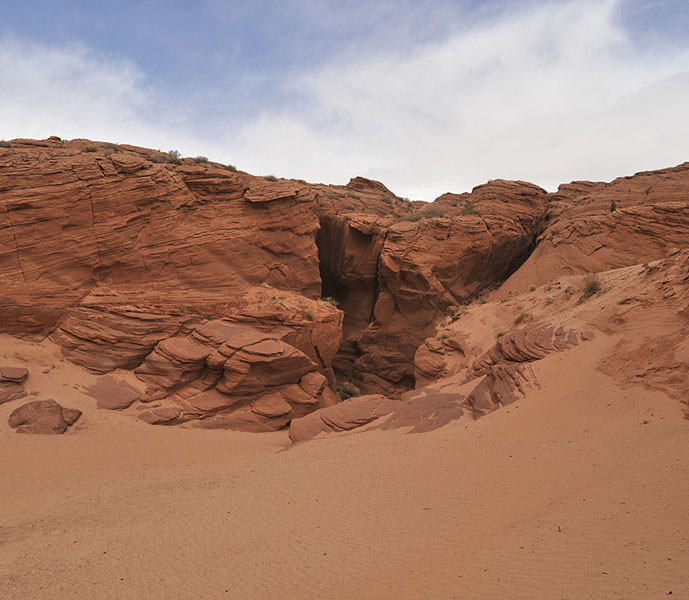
x: 43, y: 416
x: 12, y: 383
x: 220, y: 290
x: 344, y: 416
x: 595, y: 227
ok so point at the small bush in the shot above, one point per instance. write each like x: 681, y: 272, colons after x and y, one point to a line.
x: 231, y: 168
x: 201, y: 160
x: 5, y: 144
x: 412, y: 218
x: 591, y: 285
x: 387, y: 200
x: 182, y: 308
x: 469, y: 209
x: 613, y: 206
x: 482, y: 301
x: 172, y: 157
x: 270, y: 178
x: 499, y: 334
x: 347, y: 390
x: 645, y: 265
x: 89, y: 149
x: 532, y: 288
x: 331, y: 300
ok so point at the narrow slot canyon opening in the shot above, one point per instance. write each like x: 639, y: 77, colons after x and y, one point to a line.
x: 348, y: 263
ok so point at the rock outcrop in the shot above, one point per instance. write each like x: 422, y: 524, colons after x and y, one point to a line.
x: 43, y: 416
x: 243, y: 301
x: 350, y: 414
x: 12, y: 383
x: 596, y: 227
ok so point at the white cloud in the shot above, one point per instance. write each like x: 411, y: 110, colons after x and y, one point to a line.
x: 556, y: 92
x: 552, y: 94
x: 74, y: 92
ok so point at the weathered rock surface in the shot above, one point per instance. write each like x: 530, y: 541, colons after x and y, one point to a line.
x: 209, y: 283
x: 113, y: 394
x: 12, y: 383
x: 232, y: 375
x: 650, y: 218
x: 43, y: 416
x: 344, y: 416
x: 404, y: 275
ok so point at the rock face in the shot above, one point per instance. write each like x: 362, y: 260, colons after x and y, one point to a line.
x: 12, y: 383
x: 43, y: 416
x: 231, y: 375
x: 344, y: 416
x: 220, y: 290
x: 650, y: 218
x: 403, y: 276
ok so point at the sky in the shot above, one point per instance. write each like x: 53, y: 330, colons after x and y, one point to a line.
x: 425, y: 96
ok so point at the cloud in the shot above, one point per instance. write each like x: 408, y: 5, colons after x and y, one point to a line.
x: 72, y: 91
x: 547, y: 92
x: 553, y: 93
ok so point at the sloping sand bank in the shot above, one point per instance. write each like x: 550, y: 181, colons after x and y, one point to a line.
x: 578, y: 491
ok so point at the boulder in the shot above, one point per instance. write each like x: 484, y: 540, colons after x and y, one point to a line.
x: 43, y: 416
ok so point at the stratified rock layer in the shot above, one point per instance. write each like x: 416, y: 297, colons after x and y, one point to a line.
x: 12, y: 383
x: 596, y: 227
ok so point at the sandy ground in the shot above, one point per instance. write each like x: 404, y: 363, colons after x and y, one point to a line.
x: 578, y: 491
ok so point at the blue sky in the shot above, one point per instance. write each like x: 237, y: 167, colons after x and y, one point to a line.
x: 427, y: 96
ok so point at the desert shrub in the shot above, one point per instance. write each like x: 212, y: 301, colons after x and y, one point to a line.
x: 613, y: 206
x: 469, y: 209
x: 331, y: 300
x: 231, y: 168
x: 172, y: 157
x: 499, y: 334
x: 270, y: 178
x: 182, y: 308
x: 201, y: 160
x: 347, y: 390
x: 89, y: 149
x: 412, y: 218
x: 645, y: 265
x: 387, y: 200
x: 5, y: 144
x: 532, y: 288
x: 482, y: 301
x: 591, y: 285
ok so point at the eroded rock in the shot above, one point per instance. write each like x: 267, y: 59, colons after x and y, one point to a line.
x: 44, y: 417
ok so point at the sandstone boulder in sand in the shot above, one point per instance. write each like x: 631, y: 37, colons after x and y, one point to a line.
x: 12, y: 383
x: 344, y: 416
x: 43, y: 416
